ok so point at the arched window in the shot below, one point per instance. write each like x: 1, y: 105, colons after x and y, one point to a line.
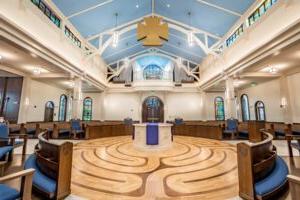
x: 62, y: 113
x: 87, y: 109
x: 245, y: 107
x: 219, y: 108
x: 49, y: 111
x: 153, y: 72
x: 260, y: 111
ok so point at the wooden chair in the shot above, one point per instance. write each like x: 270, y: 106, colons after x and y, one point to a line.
x: 294, y: 183
x: 262, y: 174
x: 53, y: 165
x: 7, y: 192
x: 61, y: 130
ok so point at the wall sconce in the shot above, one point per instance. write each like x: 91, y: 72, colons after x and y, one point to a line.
x: 283, y: 102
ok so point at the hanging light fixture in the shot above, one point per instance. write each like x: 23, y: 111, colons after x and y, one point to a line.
x: 190, y: 35
x: 115, y: 39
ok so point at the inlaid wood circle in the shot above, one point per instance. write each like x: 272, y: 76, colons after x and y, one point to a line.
x: 193, y: 168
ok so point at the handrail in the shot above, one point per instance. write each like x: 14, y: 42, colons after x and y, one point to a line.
x: 268, y: 139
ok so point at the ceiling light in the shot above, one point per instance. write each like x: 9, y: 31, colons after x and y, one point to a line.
x: 36, y: 71
x: 71, y: 84
x: 168, y: 5
x: 33, y: 55
x: 0, y: 57
x: 253, y: 84
x: 191, y: 39
x: 137, y: 5
x: 273, y: 70
x: 115, y: 39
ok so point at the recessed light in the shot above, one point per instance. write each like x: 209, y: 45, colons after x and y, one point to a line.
x: 273, y: 70
x: 168, y: 5
x: 137, y: 5
x: 36, y: 71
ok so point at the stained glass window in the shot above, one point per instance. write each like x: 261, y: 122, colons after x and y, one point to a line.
x: 87, y: 109
x: 153, y: 72
x: 219, y: 108
x: 245, y: 107
x: 260, y: 111
x: 47, y: 11
x: 62, y: 114
x: 262, y: 9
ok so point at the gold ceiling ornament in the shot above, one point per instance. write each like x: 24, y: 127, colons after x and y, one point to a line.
x: 152, y: 31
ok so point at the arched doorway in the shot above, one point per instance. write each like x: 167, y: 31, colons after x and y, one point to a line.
x: 153, y: 110
x: 49, y: 111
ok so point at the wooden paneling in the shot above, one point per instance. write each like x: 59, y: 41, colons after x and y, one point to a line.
x: 108, y: 130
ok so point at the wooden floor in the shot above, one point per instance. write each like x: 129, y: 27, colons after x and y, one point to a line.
x: 194, y: 168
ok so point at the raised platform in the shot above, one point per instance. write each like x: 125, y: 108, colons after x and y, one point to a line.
x: 193, y: 168
x: 162, y: 140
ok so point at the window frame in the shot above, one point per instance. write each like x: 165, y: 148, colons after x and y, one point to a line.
x: 221, y: 99
x: 242, y: 108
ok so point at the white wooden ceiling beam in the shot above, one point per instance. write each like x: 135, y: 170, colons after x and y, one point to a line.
x: 89, y: 9
x: 220, y: 8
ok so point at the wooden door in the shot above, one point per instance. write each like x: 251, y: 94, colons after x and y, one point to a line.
x: 153, y: 110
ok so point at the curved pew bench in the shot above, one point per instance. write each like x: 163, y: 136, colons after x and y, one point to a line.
x: 8, y: 193
x: 53, y: 164
x: 4, y: 151
x: 262, y: 174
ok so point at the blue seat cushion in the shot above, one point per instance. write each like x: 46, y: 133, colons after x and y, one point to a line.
x: 279, y: 133
x: 5, y: 150
x: 40, y: 181
x: 64, y: 131
x: 8, y: 193
x: 274, y: 180
x: 244, y: 134
x: 229, y: 131
x: 296, y: 132
x: 30, y: 131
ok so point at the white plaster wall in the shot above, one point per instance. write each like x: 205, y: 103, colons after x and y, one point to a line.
x: 269, y: 93
x: 293, y: 86
x: 118, y: 106
x: 40, y: 93
x: 184, y: 105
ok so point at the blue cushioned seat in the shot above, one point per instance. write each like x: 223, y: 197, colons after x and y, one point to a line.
x: 40, y: 181
x: 279, y: 133
x: 244, y: 134
x: 5, y: 150
x: 296, y: 132
x: 7, y: 193
x: 274, y: 180
x: 30, y: 131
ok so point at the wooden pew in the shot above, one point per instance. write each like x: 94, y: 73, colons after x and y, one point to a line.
x: 53, y: 165
x: 26, y: 184
x: 278, y: 129
x: 42, y: 126
x: 108, y: 129
x: 262, y: 174
x: 294, y: 183
x: 61, y: 128
x: 198, y: 130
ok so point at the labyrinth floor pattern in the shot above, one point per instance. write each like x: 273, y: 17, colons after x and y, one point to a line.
x: 194, y: 168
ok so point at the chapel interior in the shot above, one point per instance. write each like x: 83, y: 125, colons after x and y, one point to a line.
x: 150, y: 99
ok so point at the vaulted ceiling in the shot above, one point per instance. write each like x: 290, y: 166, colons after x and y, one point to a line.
x: 208, y: 18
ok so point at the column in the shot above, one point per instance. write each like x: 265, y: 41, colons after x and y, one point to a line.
x: 203, y: 111
x: 25, y: 100
x: 285, y: 101
x: 230, y: 106
x: 77, y: 99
